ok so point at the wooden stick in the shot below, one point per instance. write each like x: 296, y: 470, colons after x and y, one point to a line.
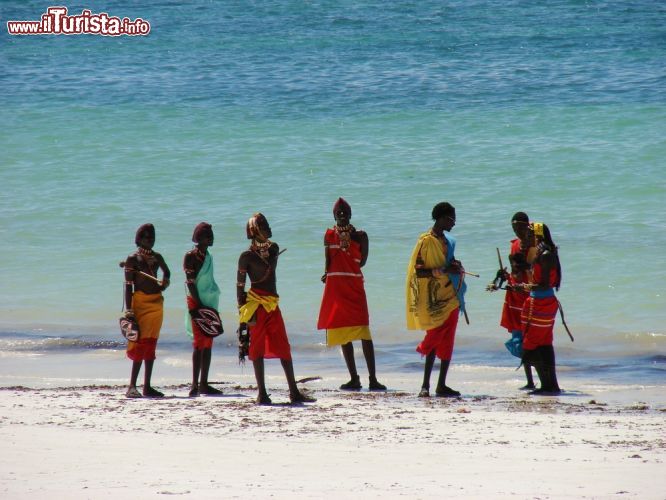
x: 156, y: 280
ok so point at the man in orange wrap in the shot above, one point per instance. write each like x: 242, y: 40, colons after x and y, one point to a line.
x: 344, y: 307
x: 144, y: 303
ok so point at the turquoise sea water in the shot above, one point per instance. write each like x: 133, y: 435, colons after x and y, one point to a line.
x: 555, y: 108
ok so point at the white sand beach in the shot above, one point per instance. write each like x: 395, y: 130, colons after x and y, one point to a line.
x: 92, y: 442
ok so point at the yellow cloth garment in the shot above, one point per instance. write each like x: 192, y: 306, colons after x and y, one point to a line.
x: 430, y: 300
x: 148, y: 311
x: 345, y: 334
x: 254, y: 300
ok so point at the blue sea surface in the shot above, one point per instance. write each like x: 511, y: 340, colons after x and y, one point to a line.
x: 227, y: 108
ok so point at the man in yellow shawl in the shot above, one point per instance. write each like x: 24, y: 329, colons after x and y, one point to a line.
x: 435, y: 296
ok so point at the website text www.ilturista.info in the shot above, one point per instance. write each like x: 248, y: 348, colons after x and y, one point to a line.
x: 56, y: 21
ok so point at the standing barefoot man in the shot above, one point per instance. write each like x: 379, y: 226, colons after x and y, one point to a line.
x: 144, y: 302
x: 540, y: 309
x: 344, y: 308
x: 521, y: 256
x: 435, y: 291
x: 202, y: 291
x: 259, y: 308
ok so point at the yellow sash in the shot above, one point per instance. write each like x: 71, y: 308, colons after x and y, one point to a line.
x: 254, y: 300
x: 430, y: 300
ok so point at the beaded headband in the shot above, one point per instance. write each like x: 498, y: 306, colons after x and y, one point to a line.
x: 537, y: 227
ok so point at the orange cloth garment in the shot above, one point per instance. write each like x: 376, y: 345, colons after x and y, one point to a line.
x: 149, y: 312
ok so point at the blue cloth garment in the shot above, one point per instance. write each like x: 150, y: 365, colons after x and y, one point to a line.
x: 455, y: 278
x: 515, y: 343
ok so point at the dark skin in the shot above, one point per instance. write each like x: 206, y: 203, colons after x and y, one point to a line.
x: 201, y: 358
x: 519, y: 263
x: 546, y: 258
x: 135, y: 281
x: 546, y: 364
x: 445, y: 222
x: 342, y: 219
x: 261, y: 272
x: 518, y: 266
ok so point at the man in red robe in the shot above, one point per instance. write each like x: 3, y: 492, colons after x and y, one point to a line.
x: 344, y: 308
x: 520, y: 257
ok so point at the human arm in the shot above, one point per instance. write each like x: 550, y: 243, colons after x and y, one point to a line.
x: 420, y: 269
x: 327, y: 260
x: 166, y: 273
x: 241, y: 277
x: 130, y: 265
x: 548, y: 262
x: 191, y: 267
x: 362, y: 238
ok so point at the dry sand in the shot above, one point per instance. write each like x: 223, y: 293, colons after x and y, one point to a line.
x: 92, y: 442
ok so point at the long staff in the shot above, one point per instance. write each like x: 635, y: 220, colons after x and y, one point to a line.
x: 150, y: 276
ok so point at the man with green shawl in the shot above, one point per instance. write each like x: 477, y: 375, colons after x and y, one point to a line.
x: 202, y: 292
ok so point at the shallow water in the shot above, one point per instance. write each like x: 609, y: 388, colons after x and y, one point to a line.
x: 223, y: 110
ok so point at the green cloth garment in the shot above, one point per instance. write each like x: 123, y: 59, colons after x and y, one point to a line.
x: 209, y: 292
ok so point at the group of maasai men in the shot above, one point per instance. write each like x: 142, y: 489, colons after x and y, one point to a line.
x: 435, y: 290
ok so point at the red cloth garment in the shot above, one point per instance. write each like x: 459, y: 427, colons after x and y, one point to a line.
x: 538, y: 320
x: 142, y: 350
x: 268, y: 336
x: 199, y: 340
x: 538, y: 316
x: 149, y: 311
x: 537, y: 271
x: 344, y: 302
x: 514, y: 299
x: 441, y: 339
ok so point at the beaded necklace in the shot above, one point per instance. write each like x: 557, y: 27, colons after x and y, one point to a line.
x: 344, y: 235
x: 148, y: 256
x: 199, y: 254
x: 261, y: 249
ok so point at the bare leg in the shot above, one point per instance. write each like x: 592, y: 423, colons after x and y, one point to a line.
x: 132, y: 391
x: 354, y: 383
x: 442, y: 389
x: 295, y: 396
x: 147, y: 375
x: 528, y: 376
x: 369, y: 354
x: 348, y: 353
x: 427, y: 370
x: 262, y: 395
x: 196, y: 369
x: 136, y: 368
x: 204, y: 388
